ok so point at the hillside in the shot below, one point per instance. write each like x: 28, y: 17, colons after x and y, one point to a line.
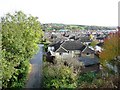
x: 57, y: 26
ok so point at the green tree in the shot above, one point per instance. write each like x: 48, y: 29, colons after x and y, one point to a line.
x: 20, y: 35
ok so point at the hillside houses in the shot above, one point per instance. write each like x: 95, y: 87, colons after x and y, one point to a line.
x: 74, y: 50
x: 76, y: 45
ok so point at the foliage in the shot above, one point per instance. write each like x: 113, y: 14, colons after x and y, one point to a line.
x: 87, y: 77
x: 0, y: 58
x: 45, y: 47
x: 20, y: 35
x: 55, y: 26
x: 111, y: 50
x: 96, y: 80
x: 93, y: 43
x: 58, y: 76
x: 75, y: 64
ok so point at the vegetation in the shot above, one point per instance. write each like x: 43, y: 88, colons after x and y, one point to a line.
x: 58, y: 76
x: 64, y: 76
x: 93, y: 43
x: 111, y: 50
x: 0, y: 57
x: 20, y: 35
x: 55, y: 26
x: 109, y: 57
x: 96, y: 80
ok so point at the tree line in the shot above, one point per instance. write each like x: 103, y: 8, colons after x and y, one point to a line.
x: 55, y: 26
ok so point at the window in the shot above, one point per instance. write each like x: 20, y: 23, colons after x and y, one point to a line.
x: 60, y: 53
x: 87, y: 54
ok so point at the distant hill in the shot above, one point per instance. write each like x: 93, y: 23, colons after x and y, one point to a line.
x: 57, y: 26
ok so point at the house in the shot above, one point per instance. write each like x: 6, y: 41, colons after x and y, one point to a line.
x: 53, y: 36
x: 89, y: 60
x: 100, y: 44
x: 66, y: 34
x: 87, y: 52
x: 98, y: 48
x: 74, y: 37
x: 77, y: 49
x: 90, y: 64
x: 54, y: 46
x: 69, y: 49
x: 85, y: 40
x: 101, y: 38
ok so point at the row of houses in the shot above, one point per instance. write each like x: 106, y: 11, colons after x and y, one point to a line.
x: 70, y: 49
x: 77, y: 45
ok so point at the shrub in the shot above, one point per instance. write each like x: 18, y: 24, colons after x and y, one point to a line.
x: 58, y: 76
x: 87, y: 77
x: 20, y: 35
x: 75, y: 64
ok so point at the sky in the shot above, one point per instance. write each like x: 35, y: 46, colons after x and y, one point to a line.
x: 82, y: 12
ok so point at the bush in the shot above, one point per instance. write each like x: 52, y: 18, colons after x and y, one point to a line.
x: 20, y: 35
x: 58, y: 76
x: 75, y: 64
x: 87, y: 77
x: 96, y: 80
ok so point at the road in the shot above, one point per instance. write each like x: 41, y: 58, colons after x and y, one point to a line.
x: 34, y: 78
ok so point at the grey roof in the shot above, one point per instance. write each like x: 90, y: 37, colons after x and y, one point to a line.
x: 56, y: 45
x: 87, y: 61
x: 74, y: 37
x: 88, y: 50
x: 100, y: 38
x: 85, y: 39
x: 73, y: 45
x: 61, y: 49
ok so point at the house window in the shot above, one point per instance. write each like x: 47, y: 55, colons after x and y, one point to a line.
x: 87, y: 54
x: 60, y: 53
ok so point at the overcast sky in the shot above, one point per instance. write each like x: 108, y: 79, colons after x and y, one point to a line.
x: 82, y: 12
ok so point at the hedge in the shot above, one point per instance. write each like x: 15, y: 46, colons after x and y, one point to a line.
x: 20, y: 35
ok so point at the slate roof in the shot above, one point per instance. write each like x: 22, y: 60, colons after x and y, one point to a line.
x: 100, y: 38
x: 89, y: 61
x: 61, y: 49
x: 73, y: 45
x: 88, y: 50
x: 74, y: 37
x: 56, y: 45
x: 85, y: 39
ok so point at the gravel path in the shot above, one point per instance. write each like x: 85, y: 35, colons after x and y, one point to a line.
x: 34, y: 79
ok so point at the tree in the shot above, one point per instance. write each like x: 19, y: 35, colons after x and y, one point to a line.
x: 111, y: 50
x: 20, y: 35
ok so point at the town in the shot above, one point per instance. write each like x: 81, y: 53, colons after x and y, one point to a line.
x: 81, y: 45
x: 59, y: 44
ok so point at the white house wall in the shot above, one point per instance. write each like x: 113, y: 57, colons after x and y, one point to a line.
x: 63, y: 55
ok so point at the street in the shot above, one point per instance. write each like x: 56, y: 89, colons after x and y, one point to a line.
x: 34, y: 79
